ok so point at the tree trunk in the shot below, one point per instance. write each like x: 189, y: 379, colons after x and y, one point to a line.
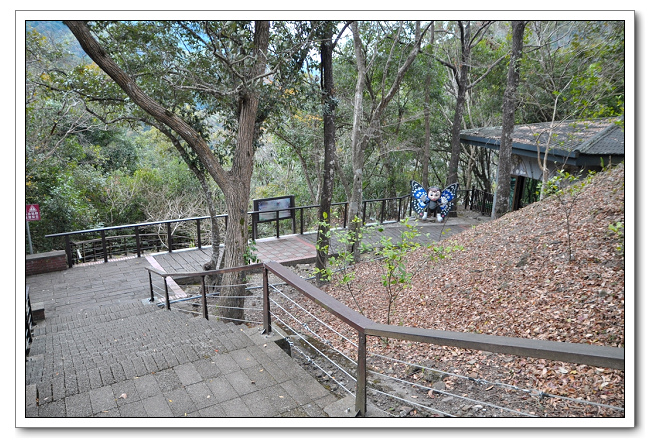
x: 358, y: 143
x: 427, y: 132
x: 426, y: 153
x: 329, y: 138
x: 235, y: 183
x: 502, y: 195
x: 452, y: 174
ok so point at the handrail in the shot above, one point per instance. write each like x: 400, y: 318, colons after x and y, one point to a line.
x: 128, y: 226
x: 201, y: 274
x: 602, y: 356
x: 595, y: 355
x: 104, y: 239
x: 29, y: 321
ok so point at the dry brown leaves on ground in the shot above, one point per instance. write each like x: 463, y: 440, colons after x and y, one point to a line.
x: 513, y: 277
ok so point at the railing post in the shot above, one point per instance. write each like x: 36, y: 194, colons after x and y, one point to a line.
x: 198, y: 233
x: 266, y: 305
x: 68, y: 251
x: 169, y: 237
x: 360, y: 403
x: 302, y: 223
x: 151, y: 288
x: 138, y: 251
x: 167, y: 305
x: 277, y: 223
x: 29, y: 321
x: 103, y: 234
x: 204, y: 298
x: 345, y: 215
x: 382, y: 211
x: 363, y: 216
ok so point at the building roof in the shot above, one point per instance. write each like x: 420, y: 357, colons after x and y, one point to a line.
x: 580, y: 142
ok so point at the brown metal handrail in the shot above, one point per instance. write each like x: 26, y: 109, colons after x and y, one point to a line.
x: 104, y: 239
x: 201, y: 275
x: 594, y: 355
x: 29, y: 322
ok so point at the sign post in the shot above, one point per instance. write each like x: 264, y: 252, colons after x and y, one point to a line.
x: 32, y: 213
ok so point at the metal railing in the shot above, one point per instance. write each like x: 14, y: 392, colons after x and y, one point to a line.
x: 477, y: 200
x: 168, y: 277
x: 107, y: 245
x: 600, y: 356
x: 29, y: 322
x: 593, y: 355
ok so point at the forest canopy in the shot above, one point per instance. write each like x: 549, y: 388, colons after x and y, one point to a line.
x: 94, y: 157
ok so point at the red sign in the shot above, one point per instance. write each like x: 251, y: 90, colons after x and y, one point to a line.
x: 32, y: 212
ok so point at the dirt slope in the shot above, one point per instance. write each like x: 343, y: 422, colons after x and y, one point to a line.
x: 513, y: 277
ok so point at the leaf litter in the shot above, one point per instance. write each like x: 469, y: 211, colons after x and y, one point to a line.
x: 508, y: 277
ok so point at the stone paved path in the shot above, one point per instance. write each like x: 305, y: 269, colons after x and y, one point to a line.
x: 104, y: 351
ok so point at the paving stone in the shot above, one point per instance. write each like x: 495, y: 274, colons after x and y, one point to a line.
x: 54, y: 409
x: 30, y: 396
x: 168, y: 380
x: 95, y: 378
x: 280, y: 399
x: 58, y: 387
x: 78, y: 405
x: 156, y: 406
x: 102, y: 399
x: 236, y: 408
x: 83, y: 381
x: 125, y: 392
x: 106, y: 375
x: 221, y: 389
x: 207, y: 368
x: 260, y: 376
x: 187, y: 374
x: 180, y: 402
x: 243, y: 358
x: 118, y: 372
x: 110, y: 413
x: 147, y: 386
x: 259, y: 404
x: 214, y: 411
x: 201, y: 395
x: 135, y: 409
x: 140, y: 368
x: 226, y: 363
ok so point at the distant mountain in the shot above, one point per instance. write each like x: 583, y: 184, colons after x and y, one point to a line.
x: 55, y: 31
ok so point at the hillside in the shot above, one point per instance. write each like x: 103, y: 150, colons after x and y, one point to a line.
x: 513, y: 277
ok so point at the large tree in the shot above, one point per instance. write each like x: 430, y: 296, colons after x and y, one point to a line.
x: 459, y: 63
x: 385, y: 93
x: 502, y: 196
x: 242, y: 71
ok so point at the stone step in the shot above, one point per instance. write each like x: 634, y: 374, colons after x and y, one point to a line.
x: 85, y: 351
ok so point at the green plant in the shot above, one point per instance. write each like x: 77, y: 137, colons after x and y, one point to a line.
x: 618, y: 229
x: 250, y: 253
x: 438, y: 253
x: 565, y: 189
x: 396, y: 276
x: 342, y: 261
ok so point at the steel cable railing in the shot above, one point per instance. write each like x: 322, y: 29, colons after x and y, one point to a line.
x: 301, y: 322
x: 326, y: 303
x: 313, y: 327
x: 387, y: 378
